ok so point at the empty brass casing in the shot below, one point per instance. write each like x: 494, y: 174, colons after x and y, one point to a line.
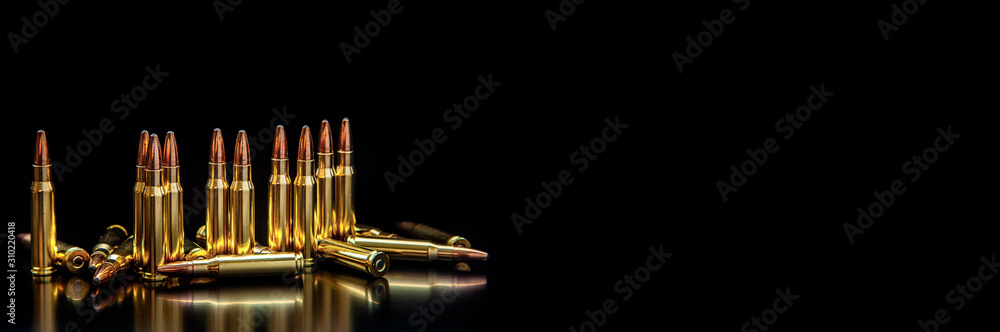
x: 280, y: 207
x: 344, y: 187
x: 369, y: 261
x: 305, y: 209
x: 43, y: 222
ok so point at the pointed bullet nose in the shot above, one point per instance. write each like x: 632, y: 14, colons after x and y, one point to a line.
x: 345, y: 135
x: 153, y: 153
x: 325, y: 138
x: 170, y: 158
x: 305, y: 144
x: 41, y: 150
x: 218, y: 155
x: 143, y: 148
x: 280, y: 150
x: 242, y: 155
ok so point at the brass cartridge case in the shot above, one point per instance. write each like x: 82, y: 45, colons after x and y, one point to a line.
x: 193, y: 251
x: 369, y: 261
x: 325, y: 189
x: 226, y: 266
x: 344, y: 205
x: 72, y: 257
x: 305, y: 199
x: 425, y: 232
x: 279, y: 197
x: 199, y: 239
x: 138, y: 230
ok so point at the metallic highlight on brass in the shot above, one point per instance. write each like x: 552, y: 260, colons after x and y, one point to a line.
x: 424, y: 232
x: 154, y: 238
x: 369, y: 261
x: 325, y: 192
x: 173, y: 201
x: 279, y: 196
x: 371, y: 231
x: 418, y: 250
x: 225, y: 266
x: 137, y: 190
x: 344, y: 185
x: 218, y: 237
x: 241, y: 198
x: 199, y: 239
x: 121, y: 259
x: 43, y: 210
x: 305, y: 199
x: 192, y: 251
x: 72, y: 257
x: 113, y: 236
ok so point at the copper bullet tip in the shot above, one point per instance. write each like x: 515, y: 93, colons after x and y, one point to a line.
x: 143, y: 148
x: 218, y: 155
x: 466, y: 254
x: 242, y: 155
x: 305, y: 144
x: 104, y: 274
x: 96, y: 260
x: 182, y: 268
x: 280, y: 150
x: 170, y: 158
x: 153, y: 157
x: 345, y: 135
x: 325, y: 138
x: 42, y: 150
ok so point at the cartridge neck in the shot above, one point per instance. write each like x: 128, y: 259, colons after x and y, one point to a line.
x: 154, y: 178
x: 345, y: 159
x: 173, y: 173
x: 241, y: 172
x: 217, y: 171
x: 140, y: 173
x: 324, y: 160
x: 43, y: 173
x: 304, y: 168
x: 279, y: 166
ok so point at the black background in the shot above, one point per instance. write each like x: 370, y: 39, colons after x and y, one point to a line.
x: 654, y: 185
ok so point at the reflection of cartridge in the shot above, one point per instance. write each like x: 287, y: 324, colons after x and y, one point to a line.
x: 193, y: 251
x: 43, y: 214
x: 224, y: 266
x: 120, y: 259
x: 279, y: 196
x: 217, y: 200
x: 369, y: 261
x: 200, y: 239
x: 154, y: 236
x: 112, y: 237
x: 45, y: 292
x: 364, y: 289
x: 153, y: 312
x: 371, y: 231
x: 424, y: 232
x: 140, y: 186
x: 344, y: 184
x: 219, y: 294
x: 325, y: 218
x: 305, y: 199
x: 72, y: 257
x: 241, y: 198
x: 173, y: 200
x: 418, y: 250
x: 77, y: 288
